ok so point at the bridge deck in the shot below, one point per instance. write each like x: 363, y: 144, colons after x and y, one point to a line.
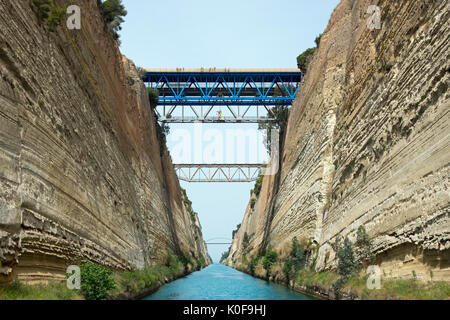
x: 239, y: 75
x: 224, y: 87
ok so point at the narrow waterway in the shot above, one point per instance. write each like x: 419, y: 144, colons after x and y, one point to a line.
x: 219, y: 282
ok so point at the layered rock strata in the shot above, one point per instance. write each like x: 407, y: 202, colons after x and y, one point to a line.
x: 84, y: 174
x: 367, y: 144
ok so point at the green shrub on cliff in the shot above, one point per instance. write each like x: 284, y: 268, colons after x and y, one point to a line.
x: 96, y: 281
x: 141, y: 72
x: 43, y: 8
x: 298, y: 255
x: 201, y: 262
x: 235, y: 230
x: 170, y: 260
x: 225, y: 255
x: 188, y: 206
x: 258, y: 185
x: 186, y: 259
x: 245, y: 241
x: 153, y: 97
x: 288, y: 269
x: 281, y: 115
x: 49, y: 13
x: 347, y: 264
x: 173, y: 263
x: 317, y: 40
x: 295, y: 261
x: 55, y: 18
x: 162, y: 131
x: 253, y: 263
x: 364, y: 247
x: 135, y: 281
x: 270, y: 258
x: 252, y: 203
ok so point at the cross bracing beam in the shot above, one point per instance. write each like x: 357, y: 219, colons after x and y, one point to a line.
x: 219, y: 172
x: 226, y: 87
x: 214, y: 114
x: 225, y: 101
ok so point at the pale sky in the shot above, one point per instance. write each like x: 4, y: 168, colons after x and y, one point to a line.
x: 221, y: 34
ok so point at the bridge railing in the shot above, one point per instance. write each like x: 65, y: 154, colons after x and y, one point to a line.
x: 230, y: 70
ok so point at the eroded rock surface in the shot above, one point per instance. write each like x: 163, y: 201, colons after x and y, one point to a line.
x: 83, y: 174
x: 367, y: 143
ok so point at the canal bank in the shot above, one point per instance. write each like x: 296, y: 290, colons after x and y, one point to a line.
x: 138, y: 284
x: 220, y: 282
x: 315, y: 292
x: 320, y: 285
x: 138, y: 295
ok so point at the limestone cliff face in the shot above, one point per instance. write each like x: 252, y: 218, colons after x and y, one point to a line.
x: 367, y: 143
x: 82, y: 172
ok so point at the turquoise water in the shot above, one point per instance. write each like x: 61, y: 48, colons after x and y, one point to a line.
x: 219, y: 282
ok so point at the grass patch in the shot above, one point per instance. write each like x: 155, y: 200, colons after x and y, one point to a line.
x: 306, y: 277
x: 50, y: 291
x: 135, y: 281
x: 391, y: 289
x: 409, y: 289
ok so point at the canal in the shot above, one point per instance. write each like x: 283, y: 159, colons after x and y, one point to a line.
x: 219, y: 282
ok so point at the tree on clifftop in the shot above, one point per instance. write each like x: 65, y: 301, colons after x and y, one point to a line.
x: 306, y: 56
x: 113, y: 12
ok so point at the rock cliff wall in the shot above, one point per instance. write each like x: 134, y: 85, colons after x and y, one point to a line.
x: 83, y: 174
x: 367, y: 143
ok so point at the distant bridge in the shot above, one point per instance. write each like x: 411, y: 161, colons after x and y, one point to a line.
x: 210, y: 241
x: 219, y: 172
x: 198, y: 95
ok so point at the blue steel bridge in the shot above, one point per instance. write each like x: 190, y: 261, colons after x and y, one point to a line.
x: 222, y: 95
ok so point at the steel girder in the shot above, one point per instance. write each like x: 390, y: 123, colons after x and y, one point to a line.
x: 219, y: 172
x: 221, y: 89
x: 210, y: 114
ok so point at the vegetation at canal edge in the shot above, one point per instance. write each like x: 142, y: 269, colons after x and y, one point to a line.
x: 349, y: 281
x: 98, y: 283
